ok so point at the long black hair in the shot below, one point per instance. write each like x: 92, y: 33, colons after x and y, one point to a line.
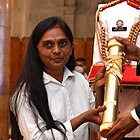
x: 31, y: 79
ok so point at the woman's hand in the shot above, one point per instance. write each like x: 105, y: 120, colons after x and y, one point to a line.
x: 92, y: 115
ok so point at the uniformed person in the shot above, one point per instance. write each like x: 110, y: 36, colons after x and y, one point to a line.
x: 119, y: 18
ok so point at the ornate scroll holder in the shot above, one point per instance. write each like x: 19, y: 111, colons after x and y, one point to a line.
x: 113, y: 75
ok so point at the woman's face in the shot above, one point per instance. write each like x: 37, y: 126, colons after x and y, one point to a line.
x: 54, y: 49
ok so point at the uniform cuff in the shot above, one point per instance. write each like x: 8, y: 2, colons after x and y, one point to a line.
x: 135, y: 117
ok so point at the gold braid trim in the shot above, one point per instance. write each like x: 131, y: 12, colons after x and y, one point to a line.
x: 100, y: 34
x: 134, y: 32
x: 133, y: 37
x: 110, y: 4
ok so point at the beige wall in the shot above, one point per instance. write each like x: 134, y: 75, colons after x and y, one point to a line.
x: 79, y: 14
x: 5, y: 14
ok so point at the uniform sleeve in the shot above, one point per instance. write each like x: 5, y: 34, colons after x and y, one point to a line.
x: 136, y: 113
x: 30, y: 131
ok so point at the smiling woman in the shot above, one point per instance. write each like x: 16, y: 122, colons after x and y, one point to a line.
x: 54, y: 50
x: 51, y: 100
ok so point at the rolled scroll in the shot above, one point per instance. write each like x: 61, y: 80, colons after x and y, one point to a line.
x: 112, y: 80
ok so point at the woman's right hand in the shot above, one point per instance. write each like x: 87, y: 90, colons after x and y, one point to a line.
x: 93, y: 115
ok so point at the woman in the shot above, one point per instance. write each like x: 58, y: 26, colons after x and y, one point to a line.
x: 51, y: 100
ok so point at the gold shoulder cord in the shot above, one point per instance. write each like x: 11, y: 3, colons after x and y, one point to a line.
x: 100, y: 34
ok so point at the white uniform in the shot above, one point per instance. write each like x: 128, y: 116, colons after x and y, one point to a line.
x: 130, y: 96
